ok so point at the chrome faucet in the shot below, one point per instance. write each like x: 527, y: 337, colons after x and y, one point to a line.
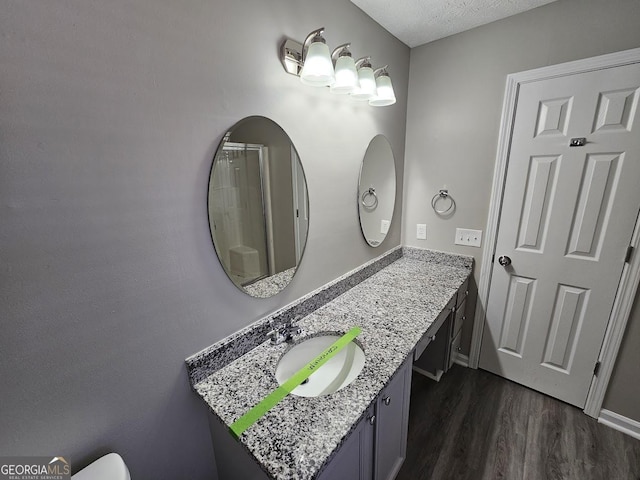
x: 283, y: 332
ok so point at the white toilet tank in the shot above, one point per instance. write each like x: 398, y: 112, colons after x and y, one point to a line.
x: 109, y: 467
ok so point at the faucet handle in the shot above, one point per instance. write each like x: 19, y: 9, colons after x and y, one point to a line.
x: 293, y: 327
x: 276, y: 336
x: 278, y: 333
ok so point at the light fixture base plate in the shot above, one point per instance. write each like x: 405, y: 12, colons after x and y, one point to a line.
x: 291, y: 56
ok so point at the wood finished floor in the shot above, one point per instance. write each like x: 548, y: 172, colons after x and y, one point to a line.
x: 477, y: 426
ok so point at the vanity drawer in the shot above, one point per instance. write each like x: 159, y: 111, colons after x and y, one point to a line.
x: 463, y: 292
x: 460, y: 317
x: 455, y: 348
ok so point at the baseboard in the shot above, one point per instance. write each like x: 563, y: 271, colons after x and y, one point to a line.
x: 427, y: 374
x: 620, y: 423
x: 461, y: 359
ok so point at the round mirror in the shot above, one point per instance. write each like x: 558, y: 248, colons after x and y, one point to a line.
x: 377, y: 190
x: 258, y: 206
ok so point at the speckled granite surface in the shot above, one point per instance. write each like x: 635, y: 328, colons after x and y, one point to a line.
x: 267, y: 287
x: 394, y: 307
x: 203, y: 363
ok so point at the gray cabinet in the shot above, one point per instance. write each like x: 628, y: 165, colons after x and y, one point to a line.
x: 392, y: 421
x: 353, y: 461
x: 436, y: 352
x: 374, y: 450
x: 354, y: 458
x: 457, y: 322
x: 377, y: 447
x: 432, y: 359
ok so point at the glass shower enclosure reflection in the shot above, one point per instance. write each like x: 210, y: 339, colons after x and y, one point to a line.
x: 239, y: 210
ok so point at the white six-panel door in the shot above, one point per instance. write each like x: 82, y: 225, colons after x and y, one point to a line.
x: 566, y: 221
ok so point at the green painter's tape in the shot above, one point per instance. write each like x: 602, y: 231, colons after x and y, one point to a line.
x: 271, y: 400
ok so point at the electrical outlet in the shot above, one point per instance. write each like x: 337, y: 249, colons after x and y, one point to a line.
x: 421, y: 231
x: 384, y: 226
x: 471, y: 238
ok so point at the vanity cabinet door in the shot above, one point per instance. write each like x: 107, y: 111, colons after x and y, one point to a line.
x: 354, y: 458
x: 392, y: 421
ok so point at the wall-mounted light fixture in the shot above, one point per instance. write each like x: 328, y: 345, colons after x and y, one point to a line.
x: 384, y: 89
x: 366, y: 80
x: 316, y: 67
x: 345, y: 68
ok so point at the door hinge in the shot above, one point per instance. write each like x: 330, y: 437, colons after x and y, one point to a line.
x: 627, y: 257
x: 493, y: 258
x: 596, y: 368
x: 297, y: 213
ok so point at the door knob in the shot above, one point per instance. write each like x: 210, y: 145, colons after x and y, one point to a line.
x: 504, y: 261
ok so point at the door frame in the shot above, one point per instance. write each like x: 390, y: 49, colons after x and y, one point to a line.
x: 631, y: 271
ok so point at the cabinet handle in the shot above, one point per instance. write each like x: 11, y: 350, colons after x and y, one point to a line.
x: 372, y: 419
x: 386, y: 400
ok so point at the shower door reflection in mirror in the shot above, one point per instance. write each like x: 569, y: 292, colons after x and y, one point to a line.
x: 237, y: 210
x: 258, y: 207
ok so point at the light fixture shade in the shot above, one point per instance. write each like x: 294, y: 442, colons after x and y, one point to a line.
x: 346, y: 75
x: 367, y: 88
x: 317, y: 70
x: 384, y: 92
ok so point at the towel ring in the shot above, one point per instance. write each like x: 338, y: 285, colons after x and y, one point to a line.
x: 371, y: 192
x: 443, y: 195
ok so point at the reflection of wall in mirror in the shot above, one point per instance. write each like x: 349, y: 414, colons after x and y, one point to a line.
x: 279, y: 188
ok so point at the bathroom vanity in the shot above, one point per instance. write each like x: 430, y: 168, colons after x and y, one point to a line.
x: 377, y: 446
x: 400, y: 301
x: 435, y: 354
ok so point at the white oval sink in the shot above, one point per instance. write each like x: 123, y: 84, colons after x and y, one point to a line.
x: 339, y: 371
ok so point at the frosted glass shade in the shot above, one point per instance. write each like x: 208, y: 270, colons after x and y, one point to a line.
x: 384, y: 92
x: 367, y: 88
x: 317, y: 70
x: 346, y: 76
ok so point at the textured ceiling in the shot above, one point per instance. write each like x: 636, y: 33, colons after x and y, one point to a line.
x: 416, y: 22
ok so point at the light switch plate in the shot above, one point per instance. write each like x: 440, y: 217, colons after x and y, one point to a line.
x: 384, y: 226
x: 421, y: 231
x: 470, y: 238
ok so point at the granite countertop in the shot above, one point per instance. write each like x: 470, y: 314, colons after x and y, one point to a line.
x: 394, y: 308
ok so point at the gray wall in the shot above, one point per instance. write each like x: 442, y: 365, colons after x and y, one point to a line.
x: 623, y: 394
x: 456, y: 89
x: 110, y: 113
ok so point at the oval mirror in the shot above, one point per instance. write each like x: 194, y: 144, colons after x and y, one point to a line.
x: 377, y: 190
x: 258, y: 206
